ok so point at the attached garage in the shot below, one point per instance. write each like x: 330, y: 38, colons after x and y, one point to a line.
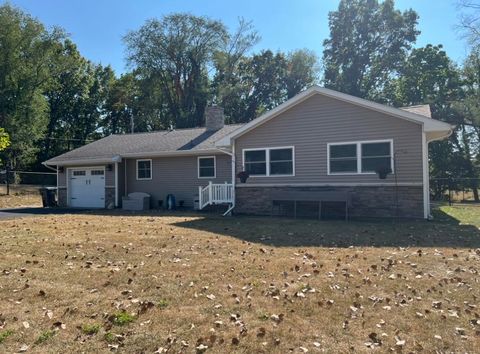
x: 86, y: 187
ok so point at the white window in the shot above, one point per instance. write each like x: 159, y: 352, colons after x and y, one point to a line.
x: 269, y: 161
x: 144, y: 169
x: 206, y: 167
x: 362, y: 157
x: 97, y: 172
x: 255, y: 162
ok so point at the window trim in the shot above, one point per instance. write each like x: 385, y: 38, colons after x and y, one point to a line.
x: 151, y: 169
x: 359, y: 143
x: 214, y: 166
x: 267, y: 160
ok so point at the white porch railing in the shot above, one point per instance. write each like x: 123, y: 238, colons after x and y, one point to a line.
x: 215, y: 194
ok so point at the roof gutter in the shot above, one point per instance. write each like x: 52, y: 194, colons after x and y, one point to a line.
x: 118, y: 158
x: 49, y: 167
x: 81, y: 161
x: 450, y: 132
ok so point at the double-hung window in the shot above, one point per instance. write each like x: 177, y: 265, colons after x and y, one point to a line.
x: 364, y: 157
x: 376, y: 156
x: 343, y: 158
x: 206, y: 167
x: 144, y: 169
x: 269, y: 161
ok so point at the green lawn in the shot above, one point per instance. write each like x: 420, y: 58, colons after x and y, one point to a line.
x: 466, y: 215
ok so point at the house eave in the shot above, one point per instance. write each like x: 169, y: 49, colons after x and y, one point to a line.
x: 76, y: 162
x: 108, y: 160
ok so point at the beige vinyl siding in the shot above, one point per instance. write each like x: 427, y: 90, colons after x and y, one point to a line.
x: 62, y: 179
x: 319, y: 120
x: 110, y: 176
x: 176, y: 175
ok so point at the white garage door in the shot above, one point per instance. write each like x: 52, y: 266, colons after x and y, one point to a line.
x: 87, y: 187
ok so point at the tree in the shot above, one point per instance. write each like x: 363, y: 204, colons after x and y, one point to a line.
x: 4, y: 140
x: 263, y: 81
x: 367, y: 46
x: 28, y: 51
x: 76, y: 99
x: 173, y: 55
x: 470, y: 20
x: 302, y: 71
x: 228, y: 90
x: 430, y: 77
x: 263, y: 77
x: 468, y: 110
x: 122, y: 108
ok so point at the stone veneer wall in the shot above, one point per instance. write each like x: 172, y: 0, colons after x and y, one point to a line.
x: 62, y: 196
x: 109, y: 197
x: 366, y: 201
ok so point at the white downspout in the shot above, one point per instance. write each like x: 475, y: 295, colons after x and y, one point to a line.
x: 125, y: 170
x: 426, y: 182
x: 116, y: 184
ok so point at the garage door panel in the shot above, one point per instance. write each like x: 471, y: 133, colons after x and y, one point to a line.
x: 87, y: 188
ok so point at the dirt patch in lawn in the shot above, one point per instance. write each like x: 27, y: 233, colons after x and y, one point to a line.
x: 134, y: 284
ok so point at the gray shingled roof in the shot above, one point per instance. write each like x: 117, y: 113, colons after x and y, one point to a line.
x: 194, y: 140
x: 423, y: 110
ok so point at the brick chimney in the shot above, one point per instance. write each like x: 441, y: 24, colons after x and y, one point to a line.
x: 214, y: 119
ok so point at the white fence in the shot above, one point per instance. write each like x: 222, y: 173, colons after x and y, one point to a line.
x: 215, y: 194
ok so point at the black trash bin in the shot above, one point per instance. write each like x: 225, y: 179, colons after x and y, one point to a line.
x: 48, y: 196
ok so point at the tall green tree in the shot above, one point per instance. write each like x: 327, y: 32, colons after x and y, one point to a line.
x: 76, y: 97
x: 471, y: 102
x: 369, y: 41
x: 228, y: 90
x: 27, y: 54
x: 174, y: 54
x: 429, y: 76
x: 4, y: 140
x: 263, y: 81
x: 468, y: 110
x: 302, y: 71
x: 122, y: 107
x: 263, y: 77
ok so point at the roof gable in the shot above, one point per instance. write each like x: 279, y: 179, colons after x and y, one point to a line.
x: 429, y: 124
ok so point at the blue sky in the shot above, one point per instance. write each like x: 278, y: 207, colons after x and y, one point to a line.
x: 97, y: 26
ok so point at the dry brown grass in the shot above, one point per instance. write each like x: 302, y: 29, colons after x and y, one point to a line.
x: 20, y: 199
x: 243, y: 285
